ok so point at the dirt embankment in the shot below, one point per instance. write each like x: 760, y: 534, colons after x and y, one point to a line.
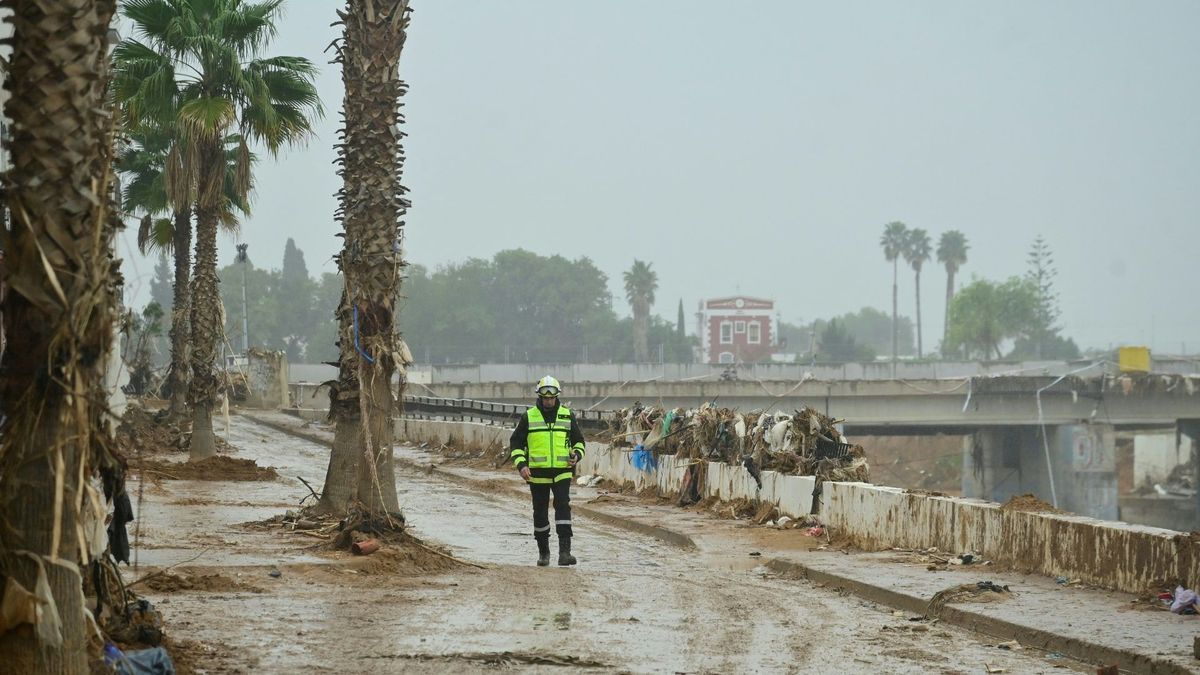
x: 145, y: 431
x: 1029, y: 502
x: 917, y: 462
x: 217, y: 468
x: 170, y: 583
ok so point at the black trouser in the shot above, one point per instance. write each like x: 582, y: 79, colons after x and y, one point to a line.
x: 541, y: 505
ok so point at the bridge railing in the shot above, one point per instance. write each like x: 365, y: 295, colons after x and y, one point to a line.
x: 469, y: 410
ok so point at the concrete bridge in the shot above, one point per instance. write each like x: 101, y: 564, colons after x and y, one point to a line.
x: 1054, y: 436
x: 1051, y: 436
x: 893, y: 407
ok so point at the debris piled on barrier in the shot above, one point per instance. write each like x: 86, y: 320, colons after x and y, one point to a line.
x: 804, y: 442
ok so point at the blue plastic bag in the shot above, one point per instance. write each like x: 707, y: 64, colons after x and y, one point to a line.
x: 154, y: 661
x: 643, y: 459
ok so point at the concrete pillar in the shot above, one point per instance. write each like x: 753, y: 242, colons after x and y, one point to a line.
x: 1074, y: 467
x: 1187, y: 435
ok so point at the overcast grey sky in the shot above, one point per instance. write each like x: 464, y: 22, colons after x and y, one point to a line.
x: 761, y: 147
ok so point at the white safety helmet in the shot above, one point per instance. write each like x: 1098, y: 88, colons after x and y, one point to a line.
x: 548, y: 387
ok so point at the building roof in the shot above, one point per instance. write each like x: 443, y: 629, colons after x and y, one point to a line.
x: 739, y: 302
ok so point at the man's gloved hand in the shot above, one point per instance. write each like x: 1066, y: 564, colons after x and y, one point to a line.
x: 575, y: 457
x: 525, y: 473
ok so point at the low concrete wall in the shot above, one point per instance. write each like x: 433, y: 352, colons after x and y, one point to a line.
x: 791, y: 494
x: 451, y: 433
x: 1109, y: 554
x: 1173, y: 513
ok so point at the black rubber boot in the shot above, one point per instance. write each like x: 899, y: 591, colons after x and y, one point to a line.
x: 564, y: 552
x: 543, y: 552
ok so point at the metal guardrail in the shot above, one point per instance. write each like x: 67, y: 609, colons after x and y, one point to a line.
x: 463, y: 409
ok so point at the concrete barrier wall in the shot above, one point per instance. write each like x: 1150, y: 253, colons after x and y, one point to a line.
x: 1109, y: 554
x: 451, y: 433
x: 791, y: 494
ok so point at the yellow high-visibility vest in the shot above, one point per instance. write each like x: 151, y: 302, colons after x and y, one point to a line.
x: 548, y: 443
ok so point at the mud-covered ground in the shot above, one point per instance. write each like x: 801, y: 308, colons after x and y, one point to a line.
x: 245, y: 599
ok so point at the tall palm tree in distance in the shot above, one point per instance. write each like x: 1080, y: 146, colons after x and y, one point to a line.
x: 159, y: 182
x: 893, y: 241
x: 194, y: 69
x: 916, y: 254
x: 640, y: 284
x: 951, y: 253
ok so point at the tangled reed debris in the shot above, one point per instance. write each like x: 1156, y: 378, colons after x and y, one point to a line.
x: 805, y: 442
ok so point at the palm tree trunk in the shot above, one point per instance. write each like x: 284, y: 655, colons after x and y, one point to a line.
x: 372, y: 204
x: 946, y: 312
x: 920, y: 346
x: 895, y: 303
x: 641, y: 351
x: 206, y: 324
x: 58, y: 312
x: 180, y: 325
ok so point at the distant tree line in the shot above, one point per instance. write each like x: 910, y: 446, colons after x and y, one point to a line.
x: 521, y: 307
x: 517, y: 307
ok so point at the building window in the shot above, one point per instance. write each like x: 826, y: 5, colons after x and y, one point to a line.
x: 725, y: 357
x: 726, y: 332
x: 754, y: 333
x: 739, y: 327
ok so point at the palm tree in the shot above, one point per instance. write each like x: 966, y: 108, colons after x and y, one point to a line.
x: 59, y: 313
x: 916, y: 254
x: 640, y: 284
x: 371, y: 208
x: 219, y: 86
x: 159, y: 183
x: 952, y: 253
x: 893, y: 241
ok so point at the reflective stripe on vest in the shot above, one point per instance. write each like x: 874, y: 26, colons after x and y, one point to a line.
x: 549, y: 443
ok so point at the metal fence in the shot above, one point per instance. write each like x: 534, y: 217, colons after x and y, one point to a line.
x: 468, y: 410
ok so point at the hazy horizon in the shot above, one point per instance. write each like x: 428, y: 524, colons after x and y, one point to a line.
x: 760, y: 149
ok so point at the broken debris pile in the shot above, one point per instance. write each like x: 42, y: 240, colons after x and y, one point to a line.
x: 805, y: 442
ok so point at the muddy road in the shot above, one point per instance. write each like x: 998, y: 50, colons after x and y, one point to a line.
x: 632, y: 604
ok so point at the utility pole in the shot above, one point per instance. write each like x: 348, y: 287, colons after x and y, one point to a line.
x: 245, y: 261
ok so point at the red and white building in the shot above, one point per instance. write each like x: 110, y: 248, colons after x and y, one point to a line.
x: 737, y: 329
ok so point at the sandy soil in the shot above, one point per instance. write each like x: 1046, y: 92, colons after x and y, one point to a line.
x: 260, y: 600
x: 1028, y: 502
x: 218, y: 468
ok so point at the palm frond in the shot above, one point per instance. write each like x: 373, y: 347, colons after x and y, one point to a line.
x: 206, y: 117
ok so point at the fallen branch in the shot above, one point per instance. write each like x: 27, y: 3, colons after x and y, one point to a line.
x: 310, y: 488
x: 161, y: 473
x: 447, y: 555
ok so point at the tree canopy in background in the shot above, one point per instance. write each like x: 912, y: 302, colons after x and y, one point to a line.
x: 870, y: 328
x: 517, y: 306
x: 984, y: 314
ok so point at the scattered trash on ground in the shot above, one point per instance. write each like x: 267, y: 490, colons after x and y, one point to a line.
x: 937, y: 561
x: 589, y: 481
x: 1185, y: 601
x: 983, y: 591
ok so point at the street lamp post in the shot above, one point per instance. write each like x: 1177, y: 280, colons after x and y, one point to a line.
x: 245, y: 260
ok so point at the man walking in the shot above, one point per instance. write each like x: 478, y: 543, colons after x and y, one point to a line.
x: 546, y: 445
